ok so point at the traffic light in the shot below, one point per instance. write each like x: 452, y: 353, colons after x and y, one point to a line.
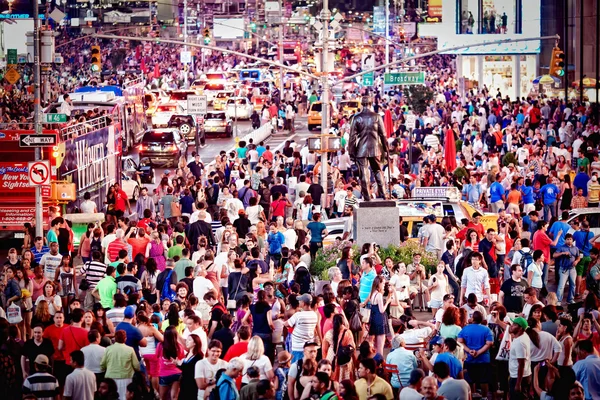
x: 557, y: 62
x: 96, y: 59
x: 207, y: 35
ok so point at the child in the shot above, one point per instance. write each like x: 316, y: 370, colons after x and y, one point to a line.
x: 283, y: 362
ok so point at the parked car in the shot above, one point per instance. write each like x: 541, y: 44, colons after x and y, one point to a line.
x: 162, y: 145
x: 186, y: 124
x: 239, y: 107
x: 217, y: 122
x: 143, y: 172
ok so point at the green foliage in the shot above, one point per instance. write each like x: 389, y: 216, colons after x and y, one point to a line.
x: 327, y: 257
x: 459, y: 144
x: 509, y: 158
x: 419, y: 97
x: 460, y: 173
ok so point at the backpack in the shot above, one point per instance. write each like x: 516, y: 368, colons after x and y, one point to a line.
x: 167, y: 292
x: 214, y: 394
x: 96, y: 244
x: 526, y: 260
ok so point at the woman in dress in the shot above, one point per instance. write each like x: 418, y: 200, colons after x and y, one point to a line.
x: 378, y: 321
x: 262, y: 322
x: 85, y: 243
x: 156, y: 250
x: 168, y: 353
x: 188, y: 386
x: 53, y: 300
x: 339, y: 335
x: 566, y: 193
x: 39, y: 281
x: 65, y: 278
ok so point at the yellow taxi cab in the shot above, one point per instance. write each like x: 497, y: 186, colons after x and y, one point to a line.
x: 349, y: 107
x: 314, y: 114
x: 221, y: 99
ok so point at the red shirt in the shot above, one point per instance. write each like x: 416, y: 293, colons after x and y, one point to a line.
x: 477, y: 228
x: 121, y: 200
x: 267, y: 155
x: 138, y: 245
x: 53, y: 333
x: 74, y: 338
x: 279, y: 208
x: 542, y: 242
x: 113, y: 249
x: 236, y: 350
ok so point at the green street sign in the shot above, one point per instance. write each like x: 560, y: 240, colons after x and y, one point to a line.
x: 11, y: 56
x: 405, y: 78
x: 368, y: 79
x: 55, y: 118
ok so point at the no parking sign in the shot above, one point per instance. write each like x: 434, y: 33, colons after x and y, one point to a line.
x: 39, y: 173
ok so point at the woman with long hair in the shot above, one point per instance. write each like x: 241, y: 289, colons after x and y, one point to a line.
x: 41, y: 315
x: 261, y: 235
x: 156, y: 250
x: 168, y: 353
x: 255, y: 357
x: 148, y: 353
x: 85, y: 243
x: 306, y: 208
x: 39, y: 281
x: 87, y: 320
x: 347, y: 390
x: 26, y: 262
x: 566, y: 193
x: 65, y: 278
x: 53, y: 300
x: 346, y: 264
x: 450, y: 326
x: 188, y: 386
x: 26, y: 286
x: 172, y: 319
x: 148, y: 280
x: 378, y: 321
x: 339, y: 335
x: 262, y: 322
x: 100, y: 316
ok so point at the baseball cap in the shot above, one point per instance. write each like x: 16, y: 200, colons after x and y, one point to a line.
x: 436, y: 340
x: 305, y: 298
x: 167, y: 171
x: 311, y: 343
x: 522, y: 322
x: 129, y: 312
x: 41, y: 359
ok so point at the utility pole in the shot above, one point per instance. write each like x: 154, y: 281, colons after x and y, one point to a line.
x: 325, y: 16
x: 37, y: 120
x: 387, y: 42
x: 280, y: 46
x: 185, y: 39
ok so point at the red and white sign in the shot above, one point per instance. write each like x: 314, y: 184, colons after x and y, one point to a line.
x: 46, y: 190
x: 39, y: 173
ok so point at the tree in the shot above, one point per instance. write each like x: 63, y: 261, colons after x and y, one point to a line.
x: 419, y: 97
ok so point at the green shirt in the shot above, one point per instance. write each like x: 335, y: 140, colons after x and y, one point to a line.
x: 180, y: 267
x: 583, y: 162
x: 312, y: 99
x: 107, y: 288
x: 175, y: 251
x: 51, y: 237
x: 119, y: 362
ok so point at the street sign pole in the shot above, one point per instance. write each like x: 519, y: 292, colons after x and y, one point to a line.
x: 39, y: 211
x: 325, y: 16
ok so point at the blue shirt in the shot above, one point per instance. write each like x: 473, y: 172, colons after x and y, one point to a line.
x: 406, y: 362
x: 227, y: 389
x: 276, y: 241
x: 582, y: 241
x: 51, y: 237
x: 588, y: 374
x: 581, y: 181
x: 549, y: 192
x: 134, y: 335
x: 473, y: 192
x: 366, y: 282
x: 37, y: 255
x: 316, y: 231
x: 496, y: 192
x: 527, y: 192
x: 452, y: 362
x: 555, y: 228
x: 475, y: 337
x: 260, y: 150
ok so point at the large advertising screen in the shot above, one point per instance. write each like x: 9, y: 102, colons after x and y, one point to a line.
x: 228, y: 28
x: 471, y: 22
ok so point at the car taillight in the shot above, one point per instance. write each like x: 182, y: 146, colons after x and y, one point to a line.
x: 223, y: 123
x: 141, y: 147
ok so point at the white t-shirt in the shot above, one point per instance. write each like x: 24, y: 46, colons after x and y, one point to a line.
x: 93, y: 356
x: 253, y: 213
x: 548, y: 347
x: 304, y: 324
x: 202, y: 286
x: 441, y: 289
x: 108, y: 239
x: 80, y: 384
x: 409, y: 393
x: 290, y: 237
x: 88, y: 207
x: 520, y: 348
x: 220, y: 260
x: 204, y: 369
x: 51, y: 264
x: 263, y: 364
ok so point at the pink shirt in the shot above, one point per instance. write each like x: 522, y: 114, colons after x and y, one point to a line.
x: 541, y: 241
x: 167, y: 367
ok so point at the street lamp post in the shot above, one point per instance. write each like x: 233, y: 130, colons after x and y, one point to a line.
x: 185, y: 37
x: 325, y: 16
x: 37, y: 118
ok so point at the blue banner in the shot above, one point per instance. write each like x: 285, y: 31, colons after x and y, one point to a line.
x: 379, y: 20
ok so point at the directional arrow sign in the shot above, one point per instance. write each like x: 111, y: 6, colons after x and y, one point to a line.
x: 43, y: 140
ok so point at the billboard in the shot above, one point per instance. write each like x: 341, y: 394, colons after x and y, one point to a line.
x: 434, y: 11
x: 228, y: 28
x: 470, y: 22
x: 379, y: 20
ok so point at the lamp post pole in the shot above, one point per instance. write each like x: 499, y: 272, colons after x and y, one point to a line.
x: 39, y: 211
x: 325, y: 16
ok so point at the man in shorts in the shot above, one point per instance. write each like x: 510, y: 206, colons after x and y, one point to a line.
x: 418, y: 281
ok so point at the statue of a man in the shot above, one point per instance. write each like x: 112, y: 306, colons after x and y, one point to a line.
x: 368, y: 147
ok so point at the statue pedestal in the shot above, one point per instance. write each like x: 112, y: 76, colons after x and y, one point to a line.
x: 376, y: 221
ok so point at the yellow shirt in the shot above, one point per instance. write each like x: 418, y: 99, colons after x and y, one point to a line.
x: 594, y: 193
x: 378, y: 386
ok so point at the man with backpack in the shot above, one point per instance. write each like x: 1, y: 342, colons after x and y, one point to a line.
x: 166, y: 281
x: 523, y: 257
x: 309, y: 353
x: 320, y: 386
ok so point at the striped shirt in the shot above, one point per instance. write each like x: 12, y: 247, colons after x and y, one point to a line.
x: 116, y: 315
x: 128, y: 280
x: 37, y: 255
x: 94, y: 271
x: 304, y: 324
x: 43, y: 385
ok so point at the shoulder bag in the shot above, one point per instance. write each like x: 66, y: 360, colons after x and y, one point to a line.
x: 231, y: 303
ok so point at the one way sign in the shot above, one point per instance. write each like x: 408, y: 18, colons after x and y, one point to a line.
x: 43, y: 140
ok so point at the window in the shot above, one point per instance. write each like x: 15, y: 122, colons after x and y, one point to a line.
x: 486, y: 17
